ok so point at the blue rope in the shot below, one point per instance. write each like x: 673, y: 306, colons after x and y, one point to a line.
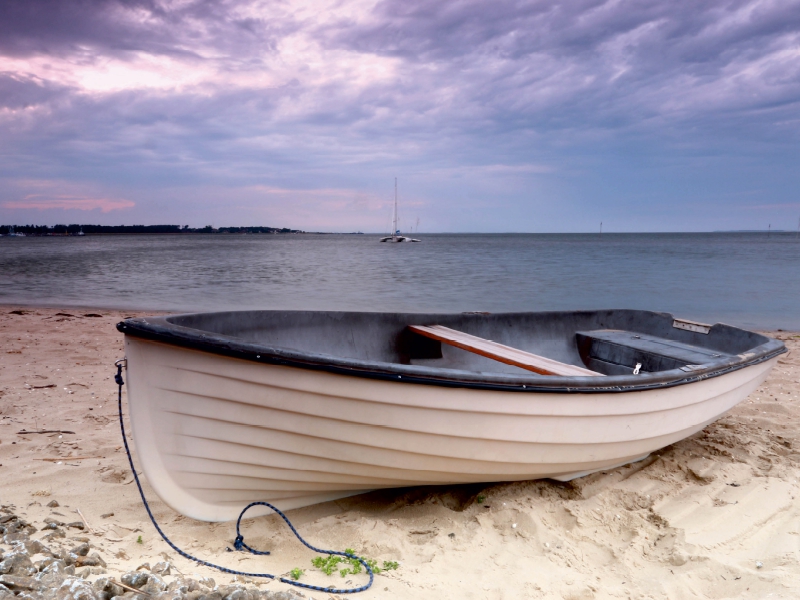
x: 239, y: 542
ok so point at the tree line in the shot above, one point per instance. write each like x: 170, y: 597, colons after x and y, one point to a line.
x: 75, y: 229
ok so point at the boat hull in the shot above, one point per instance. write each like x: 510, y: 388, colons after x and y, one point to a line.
x: 213, y: 432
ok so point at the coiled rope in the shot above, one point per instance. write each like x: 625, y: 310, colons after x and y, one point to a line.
x: 239, y: 541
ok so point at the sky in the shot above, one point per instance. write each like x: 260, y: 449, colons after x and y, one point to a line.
x: 494, y: 116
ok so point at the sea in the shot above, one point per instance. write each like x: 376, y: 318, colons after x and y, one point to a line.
x: 745, y: 279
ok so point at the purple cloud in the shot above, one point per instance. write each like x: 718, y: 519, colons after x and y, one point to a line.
x: 592, y: 104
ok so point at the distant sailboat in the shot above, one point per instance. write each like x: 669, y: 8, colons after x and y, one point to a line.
x: 396, y: 237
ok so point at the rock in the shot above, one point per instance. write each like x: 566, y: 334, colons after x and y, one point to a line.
x: 143, y: 566
x: 76, y: 589
x: 57, y: 533
x: 208, y: 582
x: 54, y: 574
x: 134, y: 579
x: 224, y: 590
x: 19, y: 536
x: 76, y: 525
x: 81, y: 550
x: 53, y: 504
x: 178, y: 585
x: 18, y: 583
x: 90, y: 561
x: 57, y: 565
x: 154, y: 585
x: 62, y: 554
x: 5, y: 593
x: 165, y: 595
x: 12, y: 524
x: 51, y: 524
x: 43, y: 564
x: 35, y: 547
x: 193, y: 595
x: 237, y: 594
x: 17, y: 563
x: 161, y: 568
x: 210, y: 596
x: 107, y: 588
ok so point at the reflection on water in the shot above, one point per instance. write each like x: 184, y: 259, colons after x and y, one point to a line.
x: 741, y: 278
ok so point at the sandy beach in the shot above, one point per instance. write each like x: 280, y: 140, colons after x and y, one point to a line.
x: 713, y: 516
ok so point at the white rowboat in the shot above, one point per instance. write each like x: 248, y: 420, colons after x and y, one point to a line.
x: 296, y: 408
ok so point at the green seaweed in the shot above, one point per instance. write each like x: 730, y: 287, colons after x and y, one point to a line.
x: 329, y: 564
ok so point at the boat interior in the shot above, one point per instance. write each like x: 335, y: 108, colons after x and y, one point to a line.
x: 569, y: 343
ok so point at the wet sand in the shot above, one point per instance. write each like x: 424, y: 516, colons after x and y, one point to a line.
x: 714, y: 516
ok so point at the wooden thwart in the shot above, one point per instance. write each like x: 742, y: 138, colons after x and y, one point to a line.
x: 499, y: 352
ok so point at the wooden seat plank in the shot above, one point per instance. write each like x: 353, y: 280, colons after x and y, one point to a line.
x: 501, y: 353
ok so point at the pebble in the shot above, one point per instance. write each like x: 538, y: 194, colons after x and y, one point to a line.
x: 55, y: 578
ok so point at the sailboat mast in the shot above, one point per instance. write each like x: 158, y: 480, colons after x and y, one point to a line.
x: 394, y: 219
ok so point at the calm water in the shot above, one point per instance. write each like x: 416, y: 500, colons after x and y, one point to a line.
x: 740, y: 278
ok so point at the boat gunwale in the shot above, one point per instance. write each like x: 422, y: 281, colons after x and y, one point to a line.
x: 160, y: 329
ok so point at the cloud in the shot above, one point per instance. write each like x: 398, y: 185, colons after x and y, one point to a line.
x: 88, y: 28
x: 40, y: 203
x: 20, y: 90
x: 467, y: 98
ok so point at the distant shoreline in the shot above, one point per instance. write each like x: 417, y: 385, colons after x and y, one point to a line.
x: 77, y: 230
x: 191, y: 233
x: 80, y: 230
x: 782, y: 233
